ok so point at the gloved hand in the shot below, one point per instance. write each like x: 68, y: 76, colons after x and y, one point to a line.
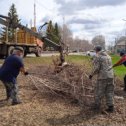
x: 110, y: 68
x: 26, y: 73
x: 90, y: 77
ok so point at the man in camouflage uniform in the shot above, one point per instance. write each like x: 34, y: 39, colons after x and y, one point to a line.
x: 104, y: 86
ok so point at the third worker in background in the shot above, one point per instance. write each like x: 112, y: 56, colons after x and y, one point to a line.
x: 122, y: 61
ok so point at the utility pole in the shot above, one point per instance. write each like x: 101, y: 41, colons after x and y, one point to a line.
x: 115, y: 45
x: 34, y: 13
x: 125, y: 35
x: 63, y: 29
x: 63, y: 39
x: 30, y: 23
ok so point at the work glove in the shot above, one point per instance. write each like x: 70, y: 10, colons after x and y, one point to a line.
x: 26, y: 73
x: 90, y: 77
x: 110, y: 68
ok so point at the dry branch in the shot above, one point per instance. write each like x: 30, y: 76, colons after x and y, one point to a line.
x: 72, y: 80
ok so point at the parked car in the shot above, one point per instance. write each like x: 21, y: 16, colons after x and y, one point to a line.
x: 91, y: 53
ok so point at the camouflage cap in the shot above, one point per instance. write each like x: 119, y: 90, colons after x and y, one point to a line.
x: 98, y: 48
x: 19, y: 48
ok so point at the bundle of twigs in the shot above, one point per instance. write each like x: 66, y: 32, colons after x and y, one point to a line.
x: 72, y: 80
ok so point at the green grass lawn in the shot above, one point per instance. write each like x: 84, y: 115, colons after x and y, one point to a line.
x: 80, y: 60
x: 120, y: 70
x: 37, y: 61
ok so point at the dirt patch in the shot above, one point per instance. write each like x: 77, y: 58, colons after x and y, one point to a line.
x: 48, y: 108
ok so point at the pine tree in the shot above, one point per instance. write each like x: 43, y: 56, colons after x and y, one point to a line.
x: 57, y: 33
x: 50, y: 30
x: 12, y: 14
x: 53, y: 32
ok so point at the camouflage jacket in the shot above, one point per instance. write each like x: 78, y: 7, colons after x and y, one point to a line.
x: 101, y: 63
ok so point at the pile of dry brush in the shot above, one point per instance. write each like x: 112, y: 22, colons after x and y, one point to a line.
x: 69, y: 80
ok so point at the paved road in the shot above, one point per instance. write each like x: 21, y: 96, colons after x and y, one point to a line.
x: 55, y: 54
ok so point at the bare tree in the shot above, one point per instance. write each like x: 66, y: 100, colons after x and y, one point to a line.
x: 74, y: 44
x: 81, y: 45
x: 86, y: 45
x: 66, y: 34
x: 99, y: 40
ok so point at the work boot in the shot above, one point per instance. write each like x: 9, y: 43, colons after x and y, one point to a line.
x: 95, y: 107
x: 124, y: 89
x: 7, y: 98
x: 110, y: 109
x: 16, y: 102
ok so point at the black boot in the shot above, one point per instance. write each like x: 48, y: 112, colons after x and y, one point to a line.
x: 16, y: 102
x: 124, y: 83
x: 110, y: 109
x: 95, y: 107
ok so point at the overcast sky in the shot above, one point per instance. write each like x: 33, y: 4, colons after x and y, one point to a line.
x: 85, y: 18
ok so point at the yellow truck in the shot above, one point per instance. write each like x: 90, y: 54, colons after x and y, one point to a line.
x: 25, y: 42
x: 23, y: 38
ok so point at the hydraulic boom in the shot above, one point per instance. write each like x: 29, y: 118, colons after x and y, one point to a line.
x: 12, y: 24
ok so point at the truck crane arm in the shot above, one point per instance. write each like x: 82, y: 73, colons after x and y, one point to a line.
x: 10, y: 23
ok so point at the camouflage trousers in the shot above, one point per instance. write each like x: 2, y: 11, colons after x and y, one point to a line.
x: 105, y: 88
x: 11, y: 91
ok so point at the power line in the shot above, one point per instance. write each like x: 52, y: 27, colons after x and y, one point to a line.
x: 34, y: 13
x: 40, y: 4
x: 49, y: 10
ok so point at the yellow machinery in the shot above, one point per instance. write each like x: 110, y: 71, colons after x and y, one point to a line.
x: 29, y: 37
x: 25, y: 37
